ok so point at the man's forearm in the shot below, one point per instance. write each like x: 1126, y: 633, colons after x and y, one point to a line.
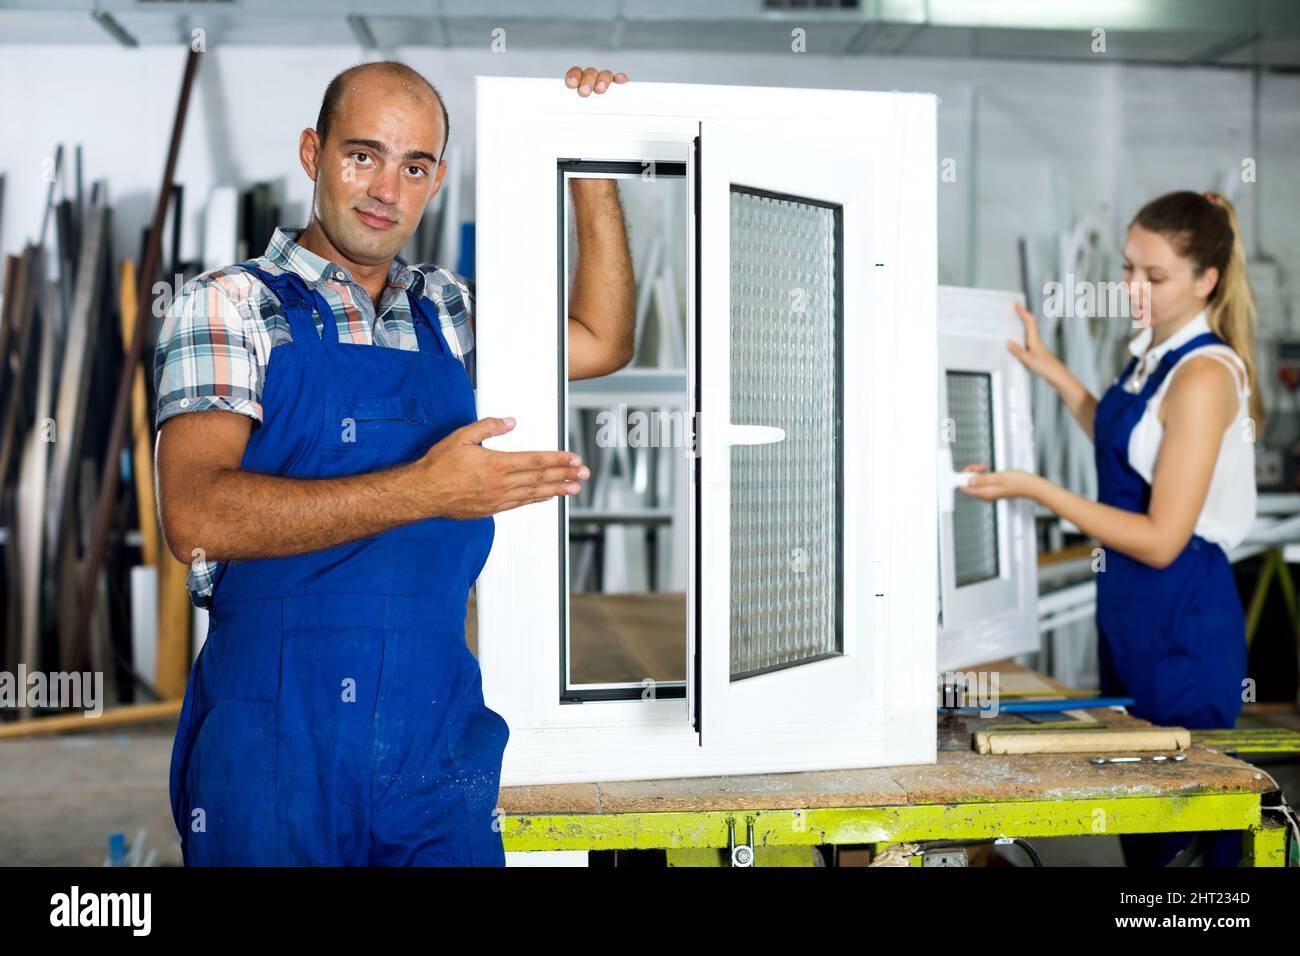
x: 245, y: 514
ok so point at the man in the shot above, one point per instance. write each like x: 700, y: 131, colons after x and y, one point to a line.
x: 335, y: 502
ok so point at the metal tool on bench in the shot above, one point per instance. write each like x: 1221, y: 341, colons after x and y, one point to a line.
x: 741, y: 854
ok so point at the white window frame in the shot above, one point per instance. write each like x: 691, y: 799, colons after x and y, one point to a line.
x: 524, y: 127
x: 998, y: 618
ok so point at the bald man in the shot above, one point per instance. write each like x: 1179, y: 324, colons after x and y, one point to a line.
x: 335, y: 503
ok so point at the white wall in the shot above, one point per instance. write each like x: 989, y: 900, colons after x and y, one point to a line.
x: 1049, y: 142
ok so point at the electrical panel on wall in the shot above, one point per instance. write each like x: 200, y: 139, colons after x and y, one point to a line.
x: 988, y: 579
x: 744, y: 584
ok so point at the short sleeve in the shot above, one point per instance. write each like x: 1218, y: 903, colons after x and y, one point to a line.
x: 207, y: 357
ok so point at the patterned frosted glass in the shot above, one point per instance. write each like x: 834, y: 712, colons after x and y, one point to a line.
x: 974, y: 522
x: 785, y: 497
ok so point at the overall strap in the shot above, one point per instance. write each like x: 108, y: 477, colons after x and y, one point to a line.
x: 1173, y: 357
x: 428, y: 325
x: 1128, y: 370
x: 299, y: 303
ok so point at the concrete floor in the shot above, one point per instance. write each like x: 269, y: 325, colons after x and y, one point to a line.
x: 62, y: 796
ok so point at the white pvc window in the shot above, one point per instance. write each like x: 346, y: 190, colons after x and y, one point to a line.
x: 987, y: 569
x: 806, y: 596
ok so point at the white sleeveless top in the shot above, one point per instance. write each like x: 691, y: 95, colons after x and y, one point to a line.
x: 1229, y: 508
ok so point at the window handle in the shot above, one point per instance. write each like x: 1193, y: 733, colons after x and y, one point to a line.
x: 754, y: 434
x: 949, y: 481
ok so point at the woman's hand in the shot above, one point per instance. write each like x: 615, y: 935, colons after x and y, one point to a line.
x: 994, y: 485
x: 1038, y: 358
x: 1034, y: 355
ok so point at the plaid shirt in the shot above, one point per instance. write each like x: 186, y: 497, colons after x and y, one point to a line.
x: 217, y: 338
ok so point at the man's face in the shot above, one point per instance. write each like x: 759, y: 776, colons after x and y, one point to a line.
x: 377, y: 171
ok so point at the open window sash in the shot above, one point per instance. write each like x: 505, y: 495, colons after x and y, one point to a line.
x: 782, y: 319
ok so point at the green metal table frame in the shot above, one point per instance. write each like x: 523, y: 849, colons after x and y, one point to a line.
x: 1273, y: 567
x: 783, y: 837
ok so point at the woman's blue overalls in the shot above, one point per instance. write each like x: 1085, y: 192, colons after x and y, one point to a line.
x: 335, y: 715
x: 1174, y: 638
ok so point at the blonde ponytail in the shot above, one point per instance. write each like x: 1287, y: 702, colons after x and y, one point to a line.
x: 1232, y: 313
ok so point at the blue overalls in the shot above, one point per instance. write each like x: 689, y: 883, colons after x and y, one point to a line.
x: 335, y: 714
x: 1174, y: 638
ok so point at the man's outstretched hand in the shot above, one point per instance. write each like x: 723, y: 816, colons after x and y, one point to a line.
x: 459, y: 478
x: 591, y: 79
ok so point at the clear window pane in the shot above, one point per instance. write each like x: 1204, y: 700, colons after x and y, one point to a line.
x: 785, y: 371
x: 626, y: 534
x: 974, y: 522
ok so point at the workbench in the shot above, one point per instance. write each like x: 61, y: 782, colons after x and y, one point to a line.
x: 964, y: 796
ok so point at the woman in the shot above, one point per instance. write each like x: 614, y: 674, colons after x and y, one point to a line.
x: 1176, y: 477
